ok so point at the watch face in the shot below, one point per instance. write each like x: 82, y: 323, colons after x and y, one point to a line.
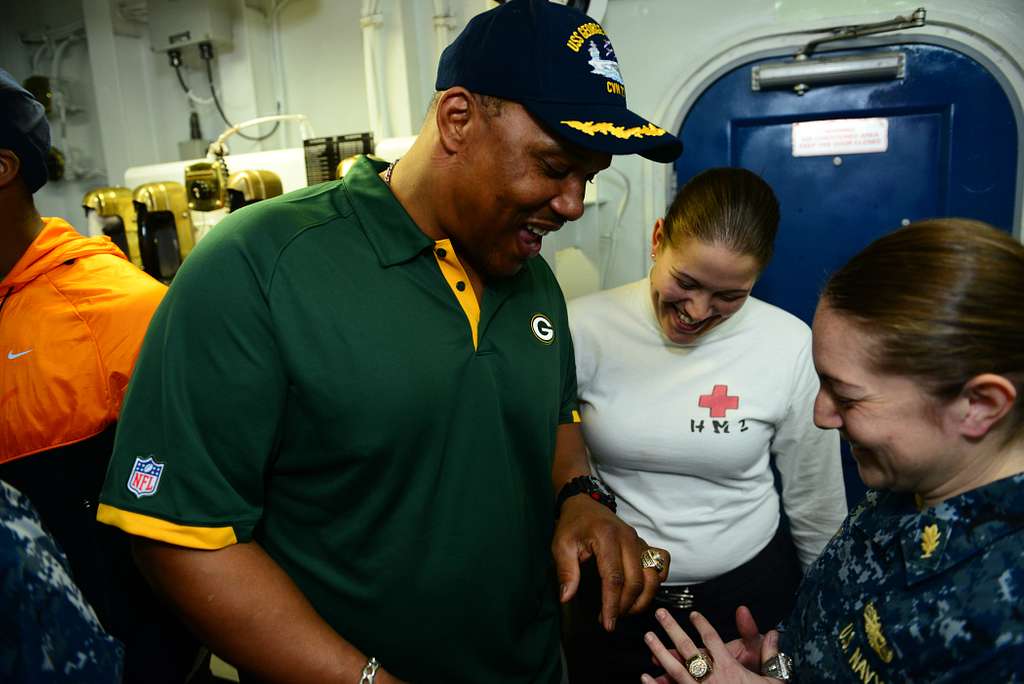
x: 599, y: 486
x: 590, y: 486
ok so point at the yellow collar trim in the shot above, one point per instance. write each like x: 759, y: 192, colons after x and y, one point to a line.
x: 455, y: 275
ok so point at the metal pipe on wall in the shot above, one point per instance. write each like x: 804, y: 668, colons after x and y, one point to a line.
x: 444, y: 22
x: 373, y: 64
x: 280, y: 85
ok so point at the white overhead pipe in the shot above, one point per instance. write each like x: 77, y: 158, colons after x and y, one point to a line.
x: 444, y: 22
x: 373, y: 67
x: 610, y: 237
x: 218, y: 149
x: 280, y: 85
x: 61, y: 105
x: 60, y: 101
x: 54, y: 34
x: 38, y: 54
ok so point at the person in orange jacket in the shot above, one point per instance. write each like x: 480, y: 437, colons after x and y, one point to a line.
x: 73, y: 313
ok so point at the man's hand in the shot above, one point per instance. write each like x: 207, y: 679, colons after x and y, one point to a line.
x: 587, y: 529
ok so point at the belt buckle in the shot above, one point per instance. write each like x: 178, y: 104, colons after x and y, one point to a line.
x: 683, y: 599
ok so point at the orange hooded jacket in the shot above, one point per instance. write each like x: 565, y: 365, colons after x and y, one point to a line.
x: 73, y: 312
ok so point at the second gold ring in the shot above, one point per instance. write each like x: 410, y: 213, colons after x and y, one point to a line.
x: 699, y: 666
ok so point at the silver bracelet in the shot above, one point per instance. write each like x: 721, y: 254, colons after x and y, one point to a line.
x: 369, y: 672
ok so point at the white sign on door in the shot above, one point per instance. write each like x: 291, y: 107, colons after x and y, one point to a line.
x: 840, y: 136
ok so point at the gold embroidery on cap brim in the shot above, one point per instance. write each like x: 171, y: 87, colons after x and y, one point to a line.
x: 614, y: 130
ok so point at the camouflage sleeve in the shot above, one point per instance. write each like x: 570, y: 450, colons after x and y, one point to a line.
x: 48, y: 633
x: 1004, y: 665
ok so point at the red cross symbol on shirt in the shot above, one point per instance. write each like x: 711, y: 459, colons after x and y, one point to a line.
x: 719, y: 401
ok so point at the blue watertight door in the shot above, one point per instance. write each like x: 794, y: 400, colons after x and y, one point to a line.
x: 942, y: 141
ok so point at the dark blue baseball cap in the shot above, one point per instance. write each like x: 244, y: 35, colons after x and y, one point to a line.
x: 24, y: 130
x: 559, y: 64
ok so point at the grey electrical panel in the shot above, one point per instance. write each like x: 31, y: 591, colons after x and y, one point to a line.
x: 179, y: 24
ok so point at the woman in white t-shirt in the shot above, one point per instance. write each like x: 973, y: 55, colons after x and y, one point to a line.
x: 690, y: 391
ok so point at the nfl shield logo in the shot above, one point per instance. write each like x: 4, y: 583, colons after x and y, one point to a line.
x: 145, y: 477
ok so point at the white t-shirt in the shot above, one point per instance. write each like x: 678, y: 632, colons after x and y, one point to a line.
x: 683, y: 434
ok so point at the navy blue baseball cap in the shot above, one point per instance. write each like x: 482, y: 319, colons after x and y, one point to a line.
x: 559, y: 64
x: 24, y: 130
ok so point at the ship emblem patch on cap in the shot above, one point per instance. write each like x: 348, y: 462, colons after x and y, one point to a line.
x: 602, y: 55
x: 145, y: 477
x: 605, y: 66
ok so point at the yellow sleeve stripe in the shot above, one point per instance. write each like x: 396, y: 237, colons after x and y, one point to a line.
x: 576, y: 417
x: 161, y: 530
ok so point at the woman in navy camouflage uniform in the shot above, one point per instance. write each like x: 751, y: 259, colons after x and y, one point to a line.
x: 919, y: 343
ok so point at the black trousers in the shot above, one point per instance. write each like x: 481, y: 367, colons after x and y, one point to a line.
x: 766, y: 584
x: 63, y: 485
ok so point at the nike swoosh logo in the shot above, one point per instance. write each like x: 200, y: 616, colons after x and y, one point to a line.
x: 11, y: 355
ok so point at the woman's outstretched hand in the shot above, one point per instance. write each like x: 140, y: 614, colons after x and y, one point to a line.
x: 738, y: 661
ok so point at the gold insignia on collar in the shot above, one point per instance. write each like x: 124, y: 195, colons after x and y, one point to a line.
x: 592, y: 128
x: 930, y: 537
x: 873, y: 628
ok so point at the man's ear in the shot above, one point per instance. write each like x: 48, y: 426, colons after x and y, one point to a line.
x: 456, y: 111
x: 10, y: 165
x: 983, y: 402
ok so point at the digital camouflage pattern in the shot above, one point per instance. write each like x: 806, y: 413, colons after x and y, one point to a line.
x: 48, y: 633
x: 901, y: 595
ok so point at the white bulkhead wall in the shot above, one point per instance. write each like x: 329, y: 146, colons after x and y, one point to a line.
x: 668, y: 49
x: 23, y: 17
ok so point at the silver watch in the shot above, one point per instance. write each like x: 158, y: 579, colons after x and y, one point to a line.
x: 778, y: 666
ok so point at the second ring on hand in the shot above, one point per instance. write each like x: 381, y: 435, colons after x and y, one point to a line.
x: 699, y: 666
x: 652, y: 558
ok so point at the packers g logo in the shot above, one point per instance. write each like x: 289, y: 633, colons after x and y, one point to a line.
x: 542, y: 329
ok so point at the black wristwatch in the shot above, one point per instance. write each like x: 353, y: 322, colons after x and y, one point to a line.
x: 585, y: 484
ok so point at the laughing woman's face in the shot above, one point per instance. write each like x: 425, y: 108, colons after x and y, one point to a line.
x: 696, y: 285
x: 902, y: 438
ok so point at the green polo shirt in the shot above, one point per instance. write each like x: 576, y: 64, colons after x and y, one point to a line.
x: 320, y: 379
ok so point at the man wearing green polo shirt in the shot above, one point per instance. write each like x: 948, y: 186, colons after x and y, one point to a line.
x: 338, y: 449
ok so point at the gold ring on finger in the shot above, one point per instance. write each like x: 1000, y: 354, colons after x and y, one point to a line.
x: 652, y: 558
x: 699, y: 666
